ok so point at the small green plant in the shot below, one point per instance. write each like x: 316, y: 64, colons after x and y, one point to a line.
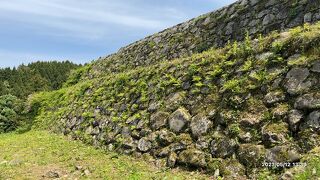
x: 196, y: 78
x: 302, y: 60
x: 217, y: 70
x: 172, y: 81
x: 151, y: 44
x: 259, y: 76
x: 195, y: 91
x: 230, y: 63
x: 234, y: 129
x: 247, y: 65
x: 277, y: 47
x: 115, y: 119
x: 234, y: 85
x: 235, y: 48
x: 306, y: 27
x: 144, y: 96
x: 247, y: 46
x: 199, y: 84
x: 193, y: 69
x: 260, y: 41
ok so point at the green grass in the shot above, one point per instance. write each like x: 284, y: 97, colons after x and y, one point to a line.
x: 32, y: 155
x: 312, y: 170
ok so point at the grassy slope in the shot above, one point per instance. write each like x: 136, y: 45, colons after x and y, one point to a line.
x: 32, y: 155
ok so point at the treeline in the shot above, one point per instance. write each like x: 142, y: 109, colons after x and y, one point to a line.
x: 38, y: 76
x: 16, y: 84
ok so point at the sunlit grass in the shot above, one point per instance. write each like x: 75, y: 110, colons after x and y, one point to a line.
x: 32, y: 155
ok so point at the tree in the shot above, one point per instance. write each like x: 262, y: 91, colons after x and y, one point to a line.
x: 34, y: 77
x: 17, y: 84
x: 10, y: 110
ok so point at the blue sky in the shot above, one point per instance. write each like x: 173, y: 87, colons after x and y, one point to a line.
x: 82, y: 30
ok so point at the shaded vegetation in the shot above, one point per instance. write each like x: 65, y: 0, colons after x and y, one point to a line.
x: 17, y: 84
x: 11, y: 109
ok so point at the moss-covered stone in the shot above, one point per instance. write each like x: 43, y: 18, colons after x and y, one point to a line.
x: 166, y: 137
x: 276, y: 133
x: 251, y: 155
x: 159, y: 120
x: 223, y: 147
x: 280, y: 111
x: 274, y: 97
x: 184, y: 138
x: 232, y: 169
x: 282, y: 154
x: 308, y: 139
x: 193, y: 157
x: 200, y: 125
x: 179, y: 120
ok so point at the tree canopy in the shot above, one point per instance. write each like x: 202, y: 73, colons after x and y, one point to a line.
x: 34, y: 77
x: 16, y: 84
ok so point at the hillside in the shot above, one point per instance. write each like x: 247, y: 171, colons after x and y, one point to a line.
x: 16, y: 84
x: 34, y: 77
x: 230, y: 108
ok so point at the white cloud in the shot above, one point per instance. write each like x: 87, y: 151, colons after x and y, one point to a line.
x: 70, y: 11
x: 82, y: 29
x: 90, y: 19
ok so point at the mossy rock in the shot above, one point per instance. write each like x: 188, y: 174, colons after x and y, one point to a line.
x: 251, y: 155
x: 282, y: 154
x: 223, y: 147
x: 308, y: 139
x: 193, y: 157
x: 200, y: 125
x: 159, y: 120
x: 280, y: 111
x: 179, y: 120
x: 184, y: 138
x: 276, y: 133
x: 232, y: 169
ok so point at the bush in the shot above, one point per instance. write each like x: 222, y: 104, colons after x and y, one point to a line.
x: 10, y: 109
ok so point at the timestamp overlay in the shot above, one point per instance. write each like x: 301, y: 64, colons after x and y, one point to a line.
x: 283, y: 164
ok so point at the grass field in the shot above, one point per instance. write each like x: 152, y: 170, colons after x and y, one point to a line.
x: 42, y: 155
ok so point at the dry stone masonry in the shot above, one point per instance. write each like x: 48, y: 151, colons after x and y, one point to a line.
x: 214, y: 29
x: 226, y: 111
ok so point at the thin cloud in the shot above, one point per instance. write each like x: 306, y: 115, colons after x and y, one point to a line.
x: 61, y: 10
x: 83, y: 30
x: 81, y: 18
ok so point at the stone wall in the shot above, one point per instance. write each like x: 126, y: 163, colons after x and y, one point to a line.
x: 210, y: 30
x: 226, y: 111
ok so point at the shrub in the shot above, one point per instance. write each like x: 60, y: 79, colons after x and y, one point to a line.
x: 10, y: 110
